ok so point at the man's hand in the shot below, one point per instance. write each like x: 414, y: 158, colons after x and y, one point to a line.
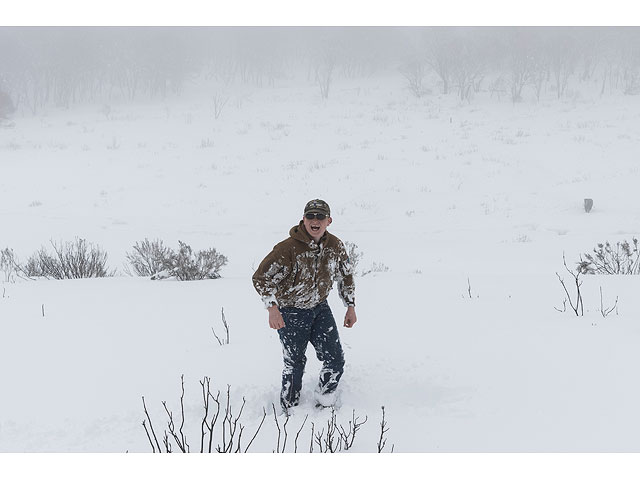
x: 350, y: 318
x: 275, y: 317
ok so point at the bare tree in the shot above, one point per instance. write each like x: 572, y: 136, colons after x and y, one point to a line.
x: 438, y: 55
x: 563, y: 60
x: 324, y: 71
x: 414, y: 73
x: 539, y: 73
x: 467, y: 64
x: 520, y: 73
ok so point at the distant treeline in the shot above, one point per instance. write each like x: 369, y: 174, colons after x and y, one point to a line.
x: 62, y: 66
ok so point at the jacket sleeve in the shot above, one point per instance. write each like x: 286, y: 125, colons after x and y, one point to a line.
x: 272, y: 270
x: 344, y: 277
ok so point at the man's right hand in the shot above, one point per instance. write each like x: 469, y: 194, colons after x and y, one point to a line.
x: 275, y: 317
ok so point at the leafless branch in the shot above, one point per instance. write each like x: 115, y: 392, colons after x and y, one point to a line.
x: 259, y: 427
x: 564, y: 306
x: 349, y: 436
x: 579, y: 306
x: 607, y: 311
x: 205, y: 383
x: 151, y: 426
x: 295, y: 443
x: 383, y: 430
x: 226, y: 328
x: 233, y: 427
x: 214, y: 419
x: 167, y: 443
x: 284, y: 429
x: 275, y: 417
x: 184, y: 440
x: 180, y: 440
x: 331, y: 441
x: 144, y: 424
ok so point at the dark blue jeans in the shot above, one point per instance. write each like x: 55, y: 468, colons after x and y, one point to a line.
x: 315, y: 325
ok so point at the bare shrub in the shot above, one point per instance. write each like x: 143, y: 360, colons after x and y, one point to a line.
x: 76, y: 259
x: 577, y: 306
x: 376, y: 268
x: 230, y: 428
x: 8, y: 264
x: 185, y: 264
x: 149, y: 257
x: 621, y: 259
x: 414, y: 74
x: 221, y: 429
x: 335, y: 438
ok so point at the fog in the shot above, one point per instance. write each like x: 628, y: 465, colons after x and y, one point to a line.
x: 65, y: 66
x: 458, y: 163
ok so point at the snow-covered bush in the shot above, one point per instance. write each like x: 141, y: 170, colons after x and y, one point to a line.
x: 76, y: 259
x: 187, y: 265
x: 355, y: 256
x: 152, y: 258
x: 376, y: 268
x: 353, y: 253
x: 621, y: 259
x: 149, y: 257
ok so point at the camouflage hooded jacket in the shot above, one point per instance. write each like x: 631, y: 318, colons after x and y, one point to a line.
x: 300, y: 273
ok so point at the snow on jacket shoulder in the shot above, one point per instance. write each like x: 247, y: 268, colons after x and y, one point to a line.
x: 300, y: 273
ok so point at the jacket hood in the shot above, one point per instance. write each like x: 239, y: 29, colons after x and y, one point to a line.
x: 299, y: 232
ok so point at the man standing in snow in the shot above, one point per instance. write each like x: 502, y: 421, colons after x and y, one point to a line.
x: 294, y: 281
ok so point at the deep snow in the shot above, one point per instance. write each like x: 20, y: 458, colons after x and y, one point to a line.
x: 483, y: 195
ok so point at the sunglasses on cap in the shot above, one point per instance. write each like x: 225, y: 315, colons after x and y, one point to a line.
x: 311, y: 216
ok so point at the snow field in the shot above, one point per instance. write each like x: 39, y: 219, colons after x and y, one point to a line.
x: 446, y: 195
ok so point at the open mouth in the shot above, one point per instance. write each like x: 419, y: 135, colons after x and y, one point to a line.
x: 315, y: 228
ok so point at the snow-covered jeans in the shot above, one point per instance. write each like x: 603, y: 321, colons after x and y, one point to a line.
x: 315, y: 325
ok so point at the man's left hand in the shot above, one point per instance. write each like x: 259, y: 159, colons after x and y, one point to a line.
x: 350, y: 318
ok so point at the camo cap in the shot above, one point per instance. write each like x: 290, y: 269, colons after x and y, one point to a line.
x: 317, y: 206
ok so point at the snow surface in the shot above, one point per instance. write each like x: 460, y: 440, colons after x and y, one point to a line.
x: 477, y: 200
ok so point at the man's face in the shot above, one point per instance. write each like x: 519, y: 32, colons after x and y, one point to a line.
x: 316, y: 227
